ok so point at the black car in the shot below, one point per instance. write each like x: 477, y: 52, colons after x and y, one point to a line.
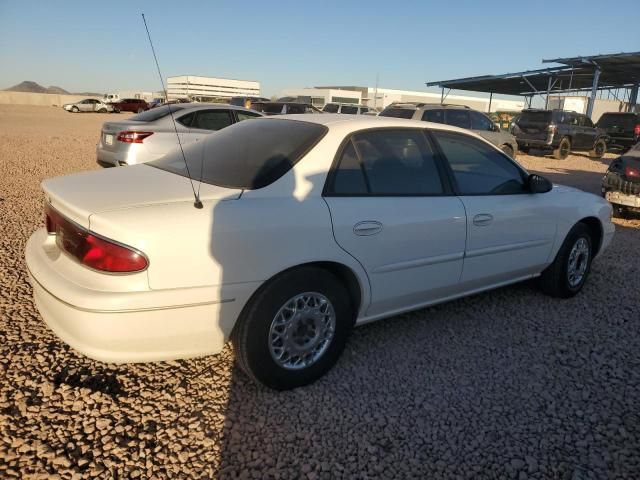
x: 623, y: 129
x: 621, y: 183
x: 283, y: 108
x: 560, y: 132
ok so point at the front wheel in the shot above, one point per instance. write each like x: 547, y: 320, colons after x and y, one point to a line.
x: 294, y: 329
x: 508, y: 150
x: 563, y: 150
x: 102, y: 110
x: 75, y: 109
x: 140, y: 110
x: 598, y: 149
x: 568, y: 273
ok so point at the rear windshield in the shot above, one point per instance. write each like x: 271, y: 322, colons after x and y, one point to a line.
x: 267, y: 108
x: 349, y: 110
x: 626, y: 120
x: 529, y: 118
x: 331, y: 108
x: 246, y: 155
x: 156, y: 113
x: 397, y: 113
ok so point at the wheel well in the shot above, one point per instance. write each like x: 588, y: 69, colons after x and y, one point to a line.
x: 346, y: 276
x: 595, y: 227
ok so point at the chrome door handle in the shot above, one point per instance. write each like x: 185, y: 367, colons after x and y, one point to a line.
x: 369, y: 227
x: 482, y: 219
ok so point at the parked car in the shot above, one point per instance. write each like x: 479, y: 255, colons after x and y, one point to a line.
x: 560, y: 132
x: 150, y: 135
x: 283, y: 108
x: 458, y: 116
x: 88, y: 105
x: 348, y: 108
x: 135, y: 105
x: 246, y: 102
x: 621, y: 183
x: 156, y: 102
x: 310, y: 224
x: 110, y: 98
x: 622, y: 128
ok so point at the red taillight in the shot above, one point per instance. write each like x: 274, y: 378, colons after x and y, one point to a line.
x: 91, y: 250
x: 630, y: 171
x: 636, y: 130
x: 133, y: 137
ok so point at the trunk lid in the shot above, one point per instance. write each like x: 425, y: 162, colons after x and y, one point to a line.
x: 534, y: 125
x: 79, y: 195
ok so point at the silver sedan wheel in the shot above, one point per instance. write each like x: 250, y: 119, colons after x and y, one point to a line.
x: 302, y: 331
x: 578, y: 262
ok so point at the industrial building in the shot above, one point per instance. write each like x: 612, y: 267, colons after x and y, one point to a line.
x: 210, y: 88
x: 319, y: 96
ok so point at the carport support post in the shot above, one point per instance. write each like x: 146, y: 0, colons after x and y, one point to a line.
x: 594, y: 90
x: 633, y: 98
x: 546, y: 100
x: 442, y: 96
x: 490, y: 98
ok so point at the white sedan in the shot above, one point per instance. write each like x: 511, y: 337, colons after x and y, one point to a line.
x: 310, y: 224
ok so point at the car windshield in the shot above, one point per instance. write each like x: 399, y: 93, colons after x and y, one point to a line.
x: 156, y: 113
x: 248, y: 155
x: 397, y: 112
x: 626, y: 120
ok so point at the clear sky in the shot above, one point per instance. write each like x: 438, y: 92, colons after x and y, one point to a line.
x: 102, y: 46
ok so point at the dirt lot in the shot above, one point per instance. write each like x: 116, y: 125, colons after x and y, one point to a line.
x: 507, y: 384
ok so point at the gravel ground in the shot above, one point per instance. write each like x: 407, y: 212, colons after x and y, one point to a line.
x: 506, y: 384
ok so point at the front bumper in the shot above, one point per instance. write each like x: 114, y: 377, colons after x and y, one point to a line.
x: 140, y: 326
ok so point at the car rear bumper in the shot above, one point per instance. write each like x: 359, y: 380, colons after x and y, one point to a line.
x: 124, y: 327
x: 531, y: 143
x: 106, y: 158
x: 621, y: 143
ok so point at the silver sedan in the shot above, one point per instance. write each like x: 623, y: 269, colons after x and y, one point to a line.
x: 88, y: 105
x: 150, y: 135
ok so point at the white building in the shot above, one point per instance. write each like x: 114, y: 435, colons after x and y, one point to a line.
x: 321, y: 96
x: 210, y: 88
x: 380, y: 98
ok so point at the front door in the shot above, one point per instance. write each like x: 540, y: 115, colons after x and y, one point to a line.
x: 510, y: 232
x: 392, y: 210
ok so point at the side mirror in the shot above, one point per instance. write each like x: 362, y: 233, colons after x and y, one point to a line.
x: 538, y: 184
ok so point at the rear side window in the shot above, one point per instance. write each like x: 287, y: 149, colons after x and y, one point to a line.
x: 478, y: 168
x: 186, y: 119
x: 387, y: 162
x: 397, y: 112
x: 212, y: 119
x: 331, y: 108
x: 248, y: 155
x: 245, y: 115
x: 458, y: 118
x: 348, y: 109
x: 156, y: 113
x: 435, y: 116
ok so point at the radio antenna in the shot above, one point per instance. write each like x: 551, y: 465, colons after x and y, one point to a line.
x: 197, y: 203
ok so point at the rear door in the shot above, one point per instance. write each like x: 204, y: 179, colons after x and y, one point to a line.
x: 393, y: 210
x: 510, y: 232
x: 587, y: 132
x: 435, y: 116
x: 457, y: 118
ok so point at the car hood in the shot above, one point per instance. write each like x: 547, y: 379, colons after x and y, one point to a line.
x: 564, y: 189
x: 80, y: 195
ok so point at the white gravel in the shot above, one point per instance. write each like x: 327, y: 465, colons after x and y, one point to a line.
x: 507, y: 384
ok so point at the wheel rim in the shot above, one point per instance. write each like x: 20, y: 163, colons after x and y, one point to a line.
x: 578, y: 261
x: 564, y: 149
x: 599, y: 149
x: 302, y: 331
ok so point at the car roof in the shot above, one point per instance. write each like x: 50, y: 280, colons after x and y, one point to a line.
x: 428, y: 106
x: 189, y: 107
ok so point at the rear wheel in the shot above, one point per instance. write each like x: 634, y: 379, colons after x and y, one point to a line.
x: 598, y: 149
x: 294, y: 329
x: 508, y: 150
x: 563, y: 150
x: 568, y: 273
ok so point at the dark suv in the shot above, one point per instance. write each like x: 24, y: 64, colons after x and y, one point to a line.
x: 560, y: 132
x: 623, y: 129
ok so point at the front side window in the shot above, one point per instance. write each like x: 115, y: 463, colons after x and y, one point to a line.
x: 481, y: 122
x: 585, y: 121
x: 435, y: 116
x: 458, y: 118
x: 388, y: 162
x: 478, y: 168
x: 211, y: 120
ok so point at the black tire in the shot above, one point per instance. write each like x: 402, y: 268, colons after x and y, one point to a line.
x: 524, y: 150
x: 620, y: 211
x: 554, y: 280
x: 250, y: 336
x: 75, y: 109
x: 508, y: 150
x: 563, y: 150
x: 599, y: 149
x: 102, y: 110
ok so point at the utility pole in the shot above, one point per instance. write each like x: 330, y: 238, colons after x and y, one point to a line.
x: 375, y: 93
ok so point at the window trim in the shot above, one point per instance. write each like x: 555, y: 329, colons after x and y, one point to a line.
x: 445, y: 180
x: 451, y: 174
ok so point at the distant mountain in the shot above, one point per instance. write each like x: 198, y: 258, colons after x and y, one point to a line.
x: 33, y: 87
